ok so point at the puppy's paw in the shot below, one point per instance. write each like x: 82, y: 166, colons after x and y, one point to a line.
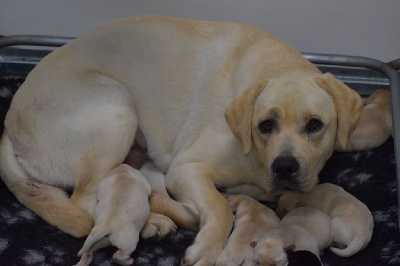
x: 86, y: 259
x: 122, y: 259
x: 225, y: 259
x: 158, y: 227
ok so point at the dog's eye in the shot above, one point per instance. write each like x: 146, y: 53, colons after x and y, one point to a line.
x: 266, y: 126
x: 314, y: 125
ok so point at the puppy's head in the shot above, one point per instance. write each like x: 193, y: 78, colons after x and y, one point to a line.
x: 381, y: 97
x: 270, y: 251
x: 291, y: 123
x: 302, y: 258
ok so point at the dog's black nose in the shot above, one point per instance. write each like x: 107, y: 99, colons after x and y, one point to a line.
x: 285, y: 167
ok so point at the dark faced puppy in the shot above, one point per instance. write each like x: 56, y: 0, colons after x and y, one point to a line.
x: 302, y: 258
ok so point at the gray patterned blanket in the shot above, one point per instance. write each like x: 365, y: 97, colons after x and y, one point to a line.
x: 25, y: 239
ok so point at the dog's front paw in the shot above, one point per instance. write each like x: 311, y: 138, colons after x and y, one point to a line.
x: 158, y: 227
x: 240, y: 256
x: 201, y: 254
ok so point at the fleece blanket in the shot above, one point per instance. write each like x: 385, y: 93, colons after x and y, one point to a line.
x: 25, y: 239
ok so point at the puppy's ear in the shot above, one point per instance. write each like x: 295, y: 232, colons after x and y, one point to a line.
x: 348, y: 104
x: 239, y: 115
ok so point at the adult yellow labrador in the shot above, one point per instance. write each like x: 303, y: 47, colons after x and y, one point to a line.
x: 216, y: 104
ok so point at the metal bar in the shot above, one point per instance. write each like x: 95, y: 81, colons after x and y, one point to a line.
x: 35, y: 40
x: 395, y: 64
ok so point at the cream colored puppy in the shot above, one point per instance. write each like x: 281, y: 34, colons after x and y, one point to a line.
x: 252, y: 221
x: 305, y: 228
x: 375, y: 125
x: 121, y: 213
x: 352, y: 221
x: 214, y: 103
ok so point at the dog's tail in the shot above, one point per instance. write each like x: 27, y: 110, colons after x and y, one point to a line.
x: 98, y: 233
x: 50, y: 203
x: 357, y: 244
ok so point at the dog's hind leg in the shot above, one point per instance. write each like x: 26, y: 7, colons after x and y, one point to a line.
x: 77, y: 136
x: 157, y: 227
x: 50, y: 203
x: 161, y: 202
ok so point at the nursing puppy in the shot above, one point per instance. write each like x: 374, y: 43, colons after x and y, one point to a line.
x: 252, y: 221
x: 214, y: 104
x: 158, y: 226
x: 305, y: 228
x: 375, y: 125
x: 302, y: 258
x: 121, y: 213
x: 352, y: 221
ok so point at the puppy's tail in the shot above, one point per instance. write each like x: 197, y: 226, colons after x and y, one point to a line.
x: 98, y: 233
x: 357, y: 244
x: 50, y: 203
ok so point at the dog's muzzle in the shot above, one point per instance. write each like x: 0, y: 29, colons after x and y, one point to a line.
x: 285, y: 168
x: 285, y: 172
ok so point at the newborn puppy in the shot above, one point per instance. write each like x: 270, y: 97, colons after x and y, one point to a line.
x: 352, y: 221
x: 302, y: 258
x: 375, y: 125
x: 305, y: 228
x: 120, y: 214
x: 252, y: 221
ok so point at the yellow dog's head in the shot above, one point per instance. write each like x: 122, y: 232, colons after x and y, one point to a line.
x: 292, y: 123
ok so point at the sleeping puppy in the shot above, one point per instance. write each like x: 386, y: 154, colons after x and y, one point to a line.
x: 121, y: 213
x: 252, y: 221
x: 375, y: 125
x: 352, y: 221
x: 214, y: 103
x: 157, y: 226
x: 305, y: 228
x: 302, y: 258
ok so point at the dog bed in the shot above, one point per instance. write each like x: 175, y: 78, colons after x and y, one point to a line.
x: 25, y: 239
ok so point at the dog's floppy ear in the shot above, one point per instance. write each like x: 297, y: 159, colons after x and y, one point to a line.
x: 348, y: 106
x: 240, y: 112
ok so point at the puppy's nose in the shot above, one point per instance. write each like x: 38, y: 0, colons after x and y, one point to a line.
x: 285, y: 167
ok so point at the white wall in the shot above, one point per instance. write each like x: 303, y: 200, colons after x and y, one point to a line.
x: 369, y: 28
